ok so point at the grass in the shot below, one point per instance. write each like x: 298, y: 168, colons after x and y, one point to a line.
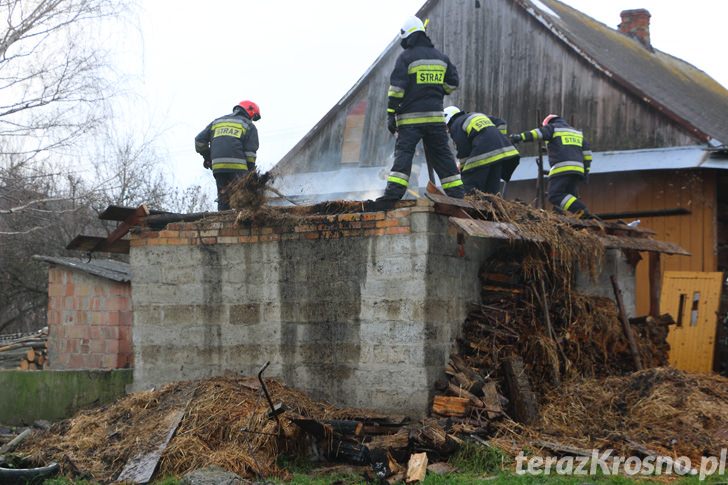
x: 475, y: 464
x: 458, y: 478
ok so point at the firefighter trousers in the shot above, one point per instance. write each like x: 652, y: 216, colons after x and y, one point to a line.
x: 564, y: 193
x: 485, y: 179
x: 222, y: 180
x: 436, y: 142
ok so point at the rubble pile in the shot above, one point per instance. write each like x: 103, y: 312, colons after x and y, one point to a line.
x: 225, y: 422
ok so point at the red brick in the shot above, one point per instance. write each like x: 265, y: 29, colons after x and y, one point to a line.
x: 125, y: 318
x: 397, y: 230
x: 330, y: 234
x: 266, y: 230
x: 247, y: 239
x: 97, y: 346
x: 76, y: 361
x: 109, y: 361
x: 228, y: 232
x: 79, y: 332
x: 125, y: 347
x: 93, y: 361
x: 125, y: 361
x: 178, y: 241
x: 61, y: 361
x: 137, y: 243
x: 95, y: 333
x: 396, y: 214
x: 374, y: 232
x: 111, y: 346
x: 72, y: 345
x: 270, y: 237
x: 311, y: 235
x: 387, y: 223
x: 209, y: 240
x: 110, y: 333
x: 304, y: 228
x: 373, y: 216
x: 350, y: 217
x: 117, y: 303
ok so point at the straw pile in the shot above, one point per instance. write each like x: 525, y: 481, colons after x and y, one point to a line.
x: 663, y: 410
x: 561, y: 249
x: 225, y: 423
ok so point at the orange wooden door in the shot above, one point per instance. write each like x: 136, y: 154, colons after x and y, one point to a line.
x: 692, y: 298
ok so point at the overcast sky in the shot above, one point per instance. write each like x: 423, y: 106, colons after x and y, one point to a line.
x: 296, y: 59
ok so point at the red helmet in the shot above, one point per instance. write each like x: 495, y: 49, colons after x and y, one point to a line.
x: 251, y: 108
x: 548, y: 118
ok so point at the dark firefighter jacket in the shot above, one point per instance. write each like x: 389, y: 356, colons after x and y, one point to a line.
x: 422, y: 76
x: 481, y: 140
x: 231, y: 142
x: 569, y: 153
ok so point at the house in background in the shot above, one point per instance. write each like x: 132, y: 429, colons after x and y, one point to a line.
x: 89, y: 314
x: 658, y: 125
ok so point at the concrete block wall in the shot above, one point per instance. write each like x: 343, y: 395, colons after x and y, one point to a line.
x: 89, y: 321
x: 357, y: 309
x: 615, y: 263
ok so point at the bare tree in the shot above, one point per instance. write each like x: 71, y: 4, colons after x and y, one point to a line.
x: 54, y: 76
x: 55, y: 79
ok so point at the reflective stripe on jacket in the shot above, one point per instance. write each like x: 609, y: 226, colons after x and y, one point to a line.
x: 480, y: 141
x: 422, y: 76
x: 568, y: 152
x: 231, y: 141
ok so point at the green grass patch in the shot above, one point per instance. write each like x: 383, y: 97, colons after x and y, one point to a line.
x: 476, y: 458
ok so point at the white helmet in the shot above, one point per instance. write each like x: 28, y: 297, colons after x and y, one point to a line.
x: 411, y: 25
x: 450, y: 111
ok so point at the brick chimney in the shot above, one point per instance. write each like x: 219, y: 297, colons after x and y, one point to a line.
x: 636, y: 24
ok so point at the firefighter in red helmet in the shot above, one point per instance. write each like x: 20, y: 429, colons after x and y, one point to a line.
x: 228, y: 146
x: 570, y: 157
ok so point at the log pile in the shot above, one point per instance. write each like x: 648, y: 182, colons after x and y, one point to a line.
x: 524, y: 339
x: 25, y: 352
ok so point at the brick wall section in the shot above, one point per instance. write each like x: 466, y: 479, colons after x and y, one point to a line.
x: 367, y: 224
x: 358, y: 309
x: 89, y: 321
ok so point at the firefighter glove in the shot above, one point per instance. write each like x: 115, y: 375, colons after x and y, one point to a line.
x: 207, y: 163
x: 392, y: 124
x: 515, y: 138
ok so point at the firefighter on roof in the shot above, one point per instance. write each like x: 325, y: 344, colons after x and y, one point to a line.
x: 487, y: 154
x: 422, y: 76
x: 228, y: 146
x: 570, y: 159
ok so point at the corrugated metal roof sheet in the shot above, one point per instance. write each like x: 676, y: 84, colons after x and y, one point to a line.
x: 673, y: 86
x: 369, y: 182
x: 105, y: 268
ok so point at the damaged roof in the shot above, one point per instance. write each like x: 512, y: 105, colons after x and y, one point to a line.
x: 674, y: 87
x: 104, y: 268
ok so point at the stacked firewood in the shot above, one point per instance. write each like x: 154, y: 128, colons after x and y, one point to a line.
x: 25, y: 352
x: 471, y: 394
x: 467, y: 397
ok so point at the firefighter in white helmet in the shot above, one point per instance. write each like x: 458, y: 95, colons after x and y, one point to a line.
x: 486, y: 153
x: 422, y: 76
